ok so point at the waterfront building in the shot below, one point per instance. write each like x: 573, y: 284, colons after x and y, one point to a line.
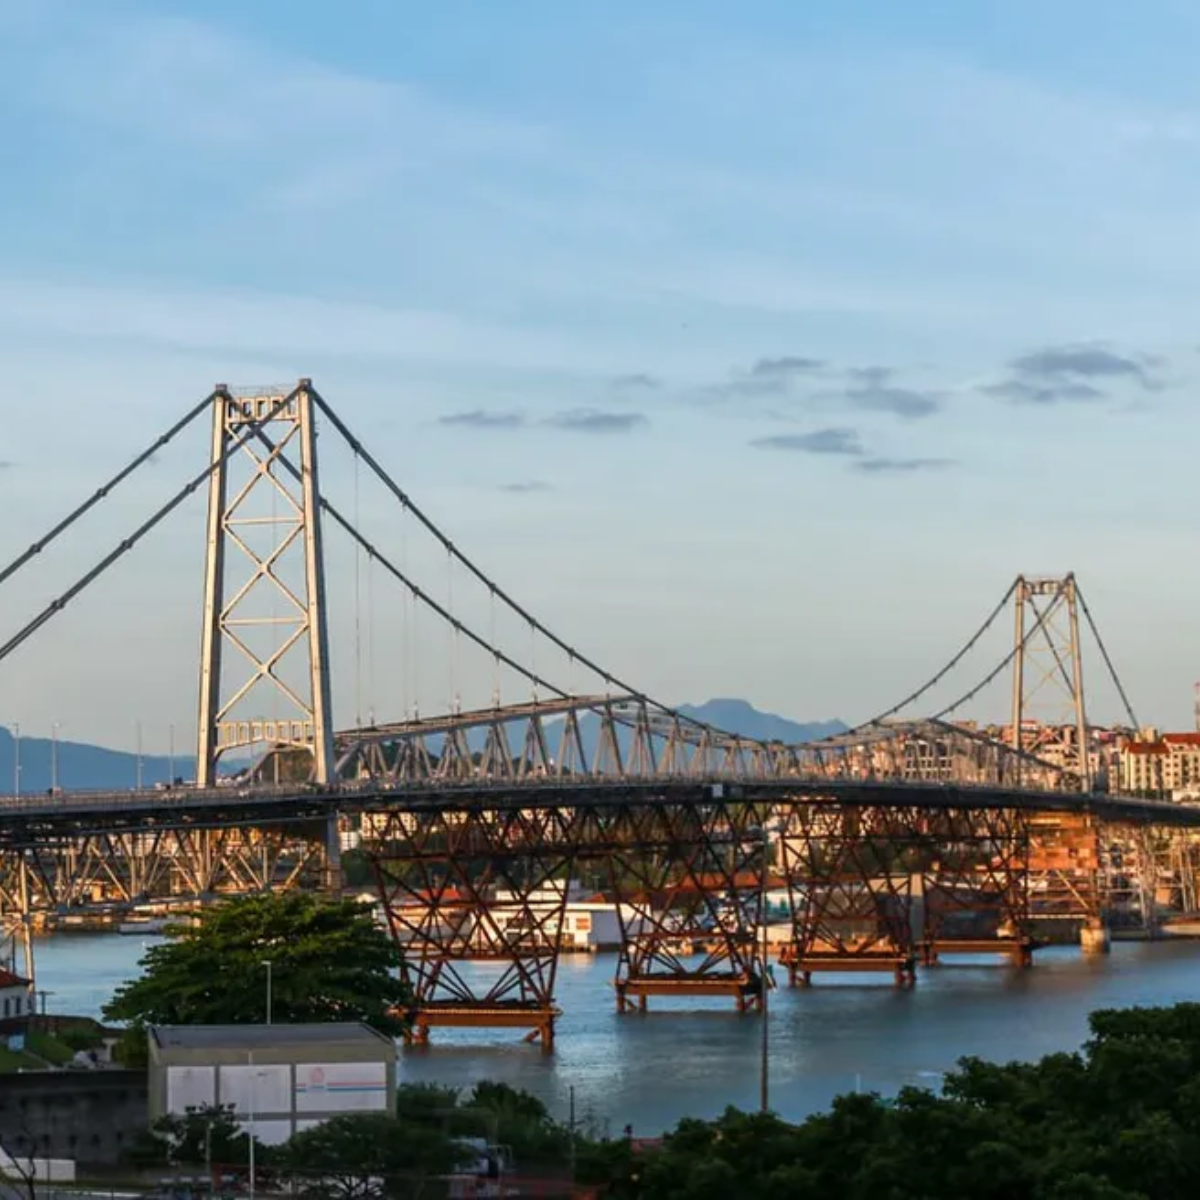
x: 280, y: 1079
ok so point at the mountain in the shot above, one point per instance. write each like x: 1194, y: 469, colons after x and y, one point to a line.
x: 741, y: 717
x: 83, y: 767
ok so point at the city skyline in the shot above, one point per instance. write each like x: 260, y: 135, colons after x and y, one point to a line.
x: 755, y: 357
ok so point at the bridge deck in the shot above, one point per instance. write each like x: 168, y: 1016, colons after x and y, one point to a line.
x: 34, y: 817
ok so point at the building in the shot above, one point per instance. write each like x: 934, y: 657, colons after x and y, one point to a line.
x: 1161, y: 764
x: 16, y: 995
x: 280, y: 1079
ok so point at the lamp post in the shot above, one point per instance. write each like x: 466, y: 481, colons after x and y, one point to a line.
x: 16, y: 733
x: 138, y: 728
x: 54, y: 758
x: 267, y: 963
x: 763, y: 832
x: 171, y: 753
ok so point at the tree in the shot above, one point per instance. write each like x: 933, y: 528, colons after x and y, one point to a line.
x: 329, y: 962
x: 207, y: 1134
x: 367, y: 1156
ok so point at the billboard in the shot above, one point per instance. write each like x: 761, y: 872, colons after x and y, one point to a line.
x: 257, y: 1089
x: 190, y: 1087
x: 341, y: 1087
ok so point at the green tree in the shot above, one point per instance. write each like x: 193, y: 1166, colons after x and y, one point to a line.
x: 207, y: 1134
x: 368, y: 1156
x: 329, y: 962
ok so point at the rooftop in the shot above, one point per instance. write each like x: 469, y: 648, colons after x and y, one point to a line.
x: 265, y: 1037
x: 9, y: 980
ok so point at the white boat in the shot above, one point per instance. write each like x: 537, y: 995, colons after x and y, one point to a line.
x: 144, y: 926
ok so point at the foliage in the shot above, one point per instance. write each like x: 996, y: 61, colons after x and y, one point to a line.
x: 361, y: 1156
x: 329, y: 962
x: 1119, y: 1121
x: 208, y: 1134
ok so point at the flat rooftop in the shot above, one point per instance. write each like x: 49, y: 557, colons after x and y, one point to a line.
x: 250, y: 1037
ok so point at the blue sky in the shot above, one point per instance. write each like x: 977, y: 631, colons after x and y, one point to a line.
x: 812, y: 324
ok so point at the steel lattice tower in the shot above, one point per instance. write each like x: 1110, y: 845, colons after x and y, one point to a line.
x: 1048, y: 668
x: 271, y: 613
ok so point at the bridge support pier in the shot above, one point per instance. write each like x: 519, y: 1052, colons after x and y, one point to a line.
x: 475, y: 900
x: 687, y: 880
x: 1094, y: 937
x: 850, y: 890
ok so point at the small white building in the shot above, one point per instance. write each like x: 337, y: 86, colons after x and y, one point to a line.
x: 280, y: 1079
x: 16, y: 996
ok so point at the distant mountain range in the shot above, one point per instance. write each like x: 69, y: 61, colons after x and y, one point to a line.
x: 81, y: 766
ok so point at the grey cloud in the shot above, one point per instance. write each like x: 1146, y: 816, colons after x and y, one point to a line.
x: 1025, y: 391
x: 1072, y: 374
x: 902, y: 466
x: 870, y: 376
x: 526, y: 487
x: 478, y: 418
x: 1085, y: 361
x: 902, y: 402
x: 786, y: 367
x: 594, y: 420
x: 6, y: 464
x: 637, y: 382
x: 819, y: 441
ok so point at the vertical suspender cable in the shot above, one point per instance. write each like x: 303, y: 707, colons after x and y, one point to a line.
x: 357, y: 605
x: 495, y: 652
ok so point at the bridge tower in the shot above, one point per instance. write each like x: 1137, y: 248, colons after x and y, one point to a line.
x: 1048, y: 675
x: 265, y: 602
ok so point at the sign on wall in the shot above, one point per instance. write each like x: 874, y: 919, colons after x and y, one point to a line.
x: 257, y: 1089
x: 190, y: 1087
x: 341, y: 1087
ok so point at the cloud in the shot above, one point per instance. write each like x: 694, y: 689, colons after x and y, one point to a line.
x: 902, y: 402
x: 785, y: 368
x: 869, y: 376
x: 594, y: 420
x: 477, y: 418
x: 6, y: 464
x: 525, y: 487
x: 1072, y: 374
x: 902, y: 466
x: 819, y: 441
x: 1025, y: 391
x: 638, y: 381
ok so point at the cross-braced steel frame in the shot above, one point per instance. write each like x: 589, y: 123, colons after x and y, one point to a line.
x: 269, y: 516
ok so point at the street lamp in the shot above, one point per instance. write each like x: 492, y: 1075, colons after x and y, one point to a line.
x: 138, y: 728
x: 54, y: 758
x: 763, y: 833
x: 267, y: 963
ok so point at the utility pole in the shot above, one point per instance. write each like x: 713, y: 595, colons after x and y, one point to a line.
x: 764, y: 1098
x: 267, y: 964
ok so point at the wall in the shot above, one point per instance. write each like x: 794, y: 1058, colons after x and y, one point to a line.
x: 90, y: 1116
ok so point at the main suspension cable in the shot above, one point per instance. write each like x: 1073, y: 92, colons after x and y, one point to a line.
x: 57, y: 605
x: 37, y: 547
x: 934, y: 680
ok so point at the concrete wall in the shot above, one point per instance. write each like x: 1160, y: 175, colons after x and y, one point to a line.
x: 90, y: 1116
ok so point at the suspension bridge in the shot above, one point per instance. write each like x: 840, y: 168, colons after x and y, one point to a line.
x: 895, y: 843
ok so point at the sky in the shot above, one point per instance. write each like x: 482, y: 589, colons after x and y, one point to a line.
x: 754, y: 348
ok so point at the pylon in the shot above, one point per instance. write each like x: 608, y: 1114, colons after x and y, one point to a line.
x: 273, y: 615
x: 1048, y: 675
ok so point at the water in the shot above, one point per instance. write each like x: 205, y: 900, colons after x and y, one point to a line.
x: 693, y: 1060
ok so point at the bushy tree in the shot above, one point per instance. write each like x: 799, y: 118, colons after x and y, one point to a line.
x: 1119, y: 1121
x: 329, y: 962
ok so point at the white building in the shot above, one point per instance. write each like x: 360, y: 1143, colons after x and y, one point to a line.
x: 280, y: 1079
x: 16, y: 995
